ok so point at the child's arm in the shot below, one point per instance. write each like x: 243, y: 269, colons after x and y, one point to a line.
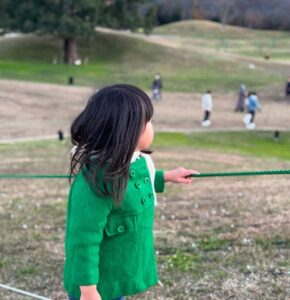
x: 89, y: 292
x: 88, y: 217
x: 179, y: 175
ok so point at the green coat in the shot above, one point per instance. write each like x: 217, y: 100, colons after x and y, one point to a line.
x: 112, y: 247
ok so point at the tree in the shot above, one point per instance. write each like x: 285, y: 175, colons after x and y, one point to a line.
x: 149, y: 20
x: 169, y: 11
x: 122, y: 14
x: 67, y: 19
x: 197, y: 12
x: 226, y: 9
x: 254, y: 18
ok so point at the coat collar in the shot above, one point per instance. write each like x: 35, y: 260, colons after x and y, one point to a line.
x: 135, y: 156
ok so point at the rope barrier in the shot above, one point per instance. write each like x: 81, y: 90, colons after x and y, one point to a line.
x: 58, y: 176
x: 35, y: 176
x: 23, y: 292
x: 248, y: 173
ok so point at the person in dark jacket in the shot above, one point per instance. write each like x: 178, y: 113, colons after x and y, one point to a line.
x: 240, y: 107
x: 156, y: 88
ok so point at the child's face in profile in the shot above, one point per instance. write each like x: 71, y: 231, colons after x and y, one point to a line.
x: 146, y: 137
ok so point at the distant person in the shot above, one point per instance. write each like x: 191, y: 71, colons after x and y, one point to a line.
x: 287, y: 89
x: 240, y: 107
x: 156, y: 88
x: 207, y: 105
x: 253, y: 106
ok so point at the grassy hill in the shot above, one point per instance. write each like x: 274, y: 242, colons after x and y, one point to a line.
x: 196, y: 64
x: 248, y: 42
x: 209, y: 29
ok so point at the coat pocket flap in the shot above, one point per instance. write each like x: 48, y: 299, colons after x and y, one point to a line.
x: 121, y: 225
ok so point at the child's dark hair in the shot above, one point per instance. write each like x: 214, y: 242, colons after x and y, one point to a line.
x: 106, y: 134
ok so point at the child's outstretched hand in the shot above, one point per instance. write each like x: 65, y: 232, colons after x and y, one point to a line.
x: 179, y: 175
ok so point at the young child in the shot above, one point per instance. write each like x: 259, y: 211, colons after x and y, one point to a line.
x: 253, y: 106
x: 109, y: 231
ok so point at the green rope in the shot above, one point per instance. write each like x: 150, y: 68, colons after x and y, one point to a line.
x: 55, y: 176
x: 29, y: 176
x: 252, y: 173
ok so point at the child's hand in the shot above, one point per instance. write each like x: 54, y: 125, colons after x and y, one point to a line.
x: 179, y: 175
x: 90, y: 293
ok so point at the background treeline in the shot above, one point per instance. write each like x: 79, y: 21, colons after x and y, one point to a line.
x: 262, y: 14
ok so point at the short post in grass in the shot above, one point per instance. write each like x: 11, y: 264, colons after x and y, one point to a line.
x: 277, y: 136
x: 71, y: 80
x: 60, y: 135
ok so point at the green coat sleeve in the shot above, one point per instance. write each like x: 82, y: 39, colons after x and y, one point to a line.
x: 88, y: 218
x: 159, y: 181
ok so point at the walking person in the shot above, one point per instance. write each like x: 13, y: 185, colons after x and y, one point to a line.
x: 156, y: 88
x: 207, y: 105
x: 109, y: 241
x: 240, y: 107
x: 253, y: 107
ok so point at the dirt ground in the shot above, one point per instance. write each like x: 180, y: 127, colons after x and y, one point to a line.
x: 35, y: 110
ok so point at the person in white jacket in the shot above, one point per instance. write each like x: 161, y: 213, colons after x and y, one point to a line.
x: 207, y: 106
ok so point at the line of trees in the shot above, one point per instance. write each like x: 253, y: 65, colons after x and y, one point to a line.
x: 73, y: 19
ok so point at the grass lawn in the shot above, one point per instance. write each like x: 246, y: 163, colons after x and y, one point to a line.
x: 257, y: 144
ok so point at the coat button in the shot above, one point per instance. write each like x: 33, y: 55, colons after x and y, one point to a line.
x: 132, y: 173
x: 143, y: 201
x: 146, y: 180
x: 150, y: 195
x: 138, y: 185
x: 120, y: 229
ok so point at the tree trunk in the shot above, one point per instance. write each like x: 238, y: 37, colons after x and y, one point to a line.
x: 70, y: 51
